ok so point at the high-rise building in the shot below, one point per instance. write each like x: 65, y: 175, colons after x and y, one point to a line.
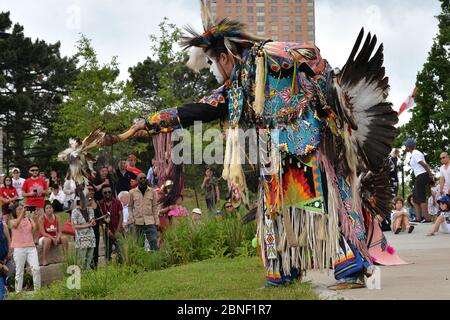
x: 281, y: 20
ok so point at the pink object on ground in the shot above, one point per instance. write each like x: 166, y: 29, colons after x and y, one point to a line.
x: 383, y: 258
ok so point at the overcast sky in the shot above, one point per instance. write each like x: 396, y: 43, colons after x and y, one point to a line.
x: 122, y: 28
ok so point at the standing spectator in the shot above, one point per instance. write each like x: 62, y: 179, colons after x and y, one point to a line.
x: 444, y: 181
x: 424, y: 177
x: 43, y: 176
x: 83, y: 221
x: 393, y: 170
x: 57, y: 198
x: 132, y: 167
x: 35, y: 189
x: 124, y: 198
x: 113, y: 208
x: 92, y: 203
x: 124, y: 177
x: 50, y: 232
x: 8, y: 196
x: 228, y: 211
x: 212, y: 194
x: 18, y: 182
x: 69, y: 191
x: 54, y: 180
x: 151, y: 174
x: 143, y: 211
x: 399, y: 217
x: 5, y: 254
x: 23, y: 244
x: 102, y: 179
x: 443, y: 215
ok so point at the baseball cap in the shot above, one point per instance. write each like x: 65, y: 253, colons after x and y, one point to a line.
x: 197, y: 211
x: 15, y: 169
x: 167, y: 183
x: 444, y: 199
x: 410, y: 142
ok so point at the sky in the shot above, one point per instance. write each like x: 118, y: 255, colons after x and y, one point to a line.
x: 122, y: 29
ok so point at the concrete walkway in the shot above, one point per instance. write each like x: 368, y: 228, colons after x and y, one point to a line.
x: 427, y: 277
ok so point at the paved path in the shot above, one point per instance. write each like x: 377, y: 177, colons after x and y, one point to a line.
x: 427, y: 277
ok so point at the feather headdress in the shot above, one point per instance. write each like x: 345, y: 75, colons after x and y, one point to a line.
x: 229, y: 31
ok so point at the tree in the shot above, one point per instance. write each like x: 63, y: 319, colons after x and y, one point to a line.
x: 97, y: 100
x: 34, y: 80
x: 430, y: 124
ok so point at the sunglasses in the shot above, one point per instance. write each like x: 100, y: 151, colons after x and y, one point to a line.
x: 142, y: 178
x: 107, y: 192
x: 228, y: 207
x: 443, y: 158
x: 34, y: 170
x: 90, y: 190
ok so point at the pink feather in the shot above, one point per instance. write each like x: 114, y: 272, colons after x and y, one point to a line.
x: 390, y: 250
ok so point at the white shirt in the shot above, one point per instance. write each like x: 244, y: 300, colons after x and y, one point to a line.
x: 60, y: 196
x: 125, y: 213
x: 18, y: 185
x: 446, y: 174
x: 69, y: 190
x: 416, y: 157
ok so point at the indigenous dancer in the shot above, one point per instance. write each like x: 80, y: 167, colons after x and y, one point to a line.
x: 327, y: 132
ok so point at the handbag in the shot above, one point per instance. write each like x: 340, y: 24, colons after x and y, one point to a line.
x: 68, y: 228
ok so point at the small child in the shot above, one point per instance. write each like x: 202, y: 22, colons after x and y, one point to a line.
x: 443, y: 214
x: 399, y: 217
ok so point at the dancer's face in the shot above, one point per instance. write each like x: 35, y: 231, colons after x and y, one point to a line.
x: 221, y: 67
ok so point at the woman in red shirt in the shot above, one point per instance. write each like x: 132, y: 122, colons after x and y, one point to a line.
x: 50, y: 232
x: 8, y: 196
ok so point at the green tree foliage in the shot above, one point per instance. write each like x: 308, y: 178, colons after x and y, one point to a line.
x: 34, y: 79
x: 97, y: 100
x: 430, y: 124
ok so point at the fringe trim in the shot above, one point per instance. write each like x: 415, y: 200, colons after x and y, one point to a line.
x: 260, y: 85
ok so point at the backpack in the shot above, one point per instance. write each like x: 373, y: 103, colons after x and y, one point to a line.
x: 3, y: 243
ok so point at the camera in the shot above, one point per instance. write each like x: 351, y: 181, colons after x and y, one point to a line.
x: 30, y: 208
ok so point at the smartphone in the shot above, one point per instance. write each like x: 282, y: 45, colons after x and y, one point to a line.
x: 30, y: 208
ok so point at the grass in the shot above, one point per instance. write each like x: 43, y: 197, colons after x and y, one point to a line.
x: 214, y: 279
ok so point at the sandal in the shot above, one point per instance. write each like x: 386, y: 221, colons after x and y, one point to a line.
x: 430, y: 234
x: 411, y: 228
x: 398, y: 230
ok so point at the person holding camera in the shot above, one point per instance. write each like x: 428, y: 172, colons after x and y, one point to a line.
x: 23, y: 224
x: 35, y: 189
x: 83, y: 221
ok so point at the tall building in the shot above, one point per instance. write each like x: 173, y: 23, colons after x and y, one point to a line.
x: 281, y: 20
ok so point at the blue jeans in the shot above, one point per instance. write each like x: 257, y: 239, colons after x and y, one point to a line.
x: 2, y: 288
x: 150, y: 232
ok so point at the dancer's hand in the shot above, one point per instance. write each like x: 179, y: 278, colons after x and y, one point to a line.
x: 140, y: 125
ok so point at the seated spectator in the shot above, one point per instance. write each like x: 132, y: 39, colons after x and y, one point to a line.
x: 57, y: 198
x: 399, y: 217
x: 433, y: 207
x: 5, y: 254
x: 83, y: 221
x: 22, y: 227
x: 443, y: 214
x: 196, y: 215
x: 8, y: 196
x: 411, y: 209
x: 177, y: 210
x: 50, y: 228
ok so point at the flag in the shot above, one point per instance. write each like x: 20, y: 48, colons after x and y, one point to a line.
x: 409, y: 103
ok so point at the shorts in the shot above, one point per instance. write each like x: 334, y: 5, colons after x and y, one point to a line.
x: 420, y: 188
x: 41, y: 241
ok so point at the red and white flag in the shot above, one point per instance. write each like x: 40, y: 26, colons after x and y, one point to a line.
x: 409, y: 103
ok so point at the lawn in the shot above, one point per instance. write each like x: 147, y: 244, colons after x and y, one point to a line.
x: 215, y: 279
